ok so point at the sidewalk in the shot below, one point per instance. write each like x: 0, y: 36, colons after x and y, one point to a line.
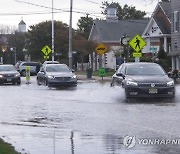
x: 97, y: 78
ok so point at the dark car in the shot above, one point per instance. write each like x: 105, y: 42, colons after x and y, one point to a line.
x: 55, y: 75
x: 8, y: 74
x: 144, y: 80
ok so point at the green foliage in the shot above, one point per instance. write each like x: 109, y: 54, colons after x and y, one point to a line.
x: 125, y: 12
x: 162, y: 54
x: 84, y: 26
x: 83, y: 46
x: 18, y: 41
x: 6, y: 148
x: 40, y: 35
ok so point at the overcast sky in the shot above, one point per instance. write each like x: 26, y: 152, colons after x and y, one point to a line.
x: 35, y: 11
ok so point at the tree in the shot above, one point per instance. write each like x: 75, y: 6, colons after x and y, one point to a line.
x: 83, y: 47
x: 125, y: 12
x: 7, y: 29
x: 17, y: 41
x: 84, y: 26
x: 40, y: 35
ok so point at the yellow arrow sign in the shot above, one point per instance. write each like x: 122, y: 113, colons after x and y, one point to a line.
x: 137, y: 43
x: 46, y: 50
x: 46, y: 57
x: 101, y: 48
x: 137, y: 54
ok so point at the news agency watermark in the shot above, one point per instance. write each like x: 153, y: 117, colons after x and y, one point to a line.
x: 130, y: 141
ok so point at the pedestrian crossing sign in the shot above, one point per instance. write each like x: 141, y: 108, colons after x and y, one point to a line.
x: 46, y: 50
x: 137, y: 43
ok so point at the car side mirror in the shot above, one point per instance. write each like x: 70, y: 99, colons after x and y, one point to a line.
x: 120, y: 75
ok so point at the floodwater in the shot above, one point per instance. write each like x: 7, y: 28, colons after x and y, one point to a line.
x: 92, y: 118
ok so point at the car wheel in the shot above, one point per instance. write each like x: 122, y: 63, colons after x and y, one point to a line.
x: 19, y: 82
x: 112, y: 83
x: 45, y: 82
x: 38, y: 83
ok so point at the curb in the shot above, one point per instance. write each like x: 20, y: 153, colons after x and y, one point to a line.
x: 84, y: 77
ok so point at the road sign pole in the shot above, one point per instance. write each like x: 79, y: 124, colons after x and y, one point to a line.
x: 137, y: 59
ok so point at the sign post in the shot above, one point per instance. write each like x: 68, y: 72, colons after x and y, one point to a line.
x: 137, y: 43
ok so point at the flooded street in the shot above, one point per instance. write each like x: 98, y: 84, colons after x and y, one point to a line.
x: 92, y: 118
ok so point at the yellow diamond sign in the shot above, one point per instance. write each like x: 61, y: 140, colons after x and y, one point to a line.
x: 46, y: 50
x: 137, y: 43
x: 101, y: 48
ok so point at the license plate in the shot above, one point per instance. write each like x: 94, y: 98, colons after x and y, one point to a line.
x: 9, y: 79
x: 152, y: 91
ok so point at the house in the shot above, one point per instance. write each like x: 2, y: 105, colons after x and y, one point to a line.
x: 175, y: 35
x: 157, y: 33
x: 109, y: 32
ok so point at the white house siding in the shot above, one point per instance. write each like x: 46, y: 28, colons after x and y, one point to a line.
x: 175, y: 36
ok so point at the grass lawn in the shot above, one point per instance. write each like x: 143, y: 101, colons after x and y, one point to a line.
x: 95, y: 73
x: 6, y: 148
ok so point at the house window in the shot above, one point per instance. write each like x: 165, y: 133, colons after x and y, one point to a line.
x: 176, y: 21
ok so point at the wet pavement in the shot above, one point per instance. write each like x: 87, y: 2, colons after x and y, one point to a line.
x: 92, y: 118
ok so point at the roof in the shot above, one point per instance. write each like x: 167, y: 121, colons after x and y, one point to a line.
x: 166, y: 6
x: 164, y: 29
x: 113, y: 31
x: 22, y: 23
x: 112, y: 6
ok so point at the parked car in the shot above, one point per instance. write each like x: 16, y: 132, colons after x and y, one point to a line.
x: 50, y: 62
x: 8, y: 74
x: 144, y: 80
x: 34, y: 67
x: 55, y: 75
x: 17, y: 65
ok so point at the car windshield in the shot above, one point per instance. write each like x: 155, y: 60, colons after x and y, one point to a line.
x: 7, y: 68
x: 144, y: 70
x: 57, y: 68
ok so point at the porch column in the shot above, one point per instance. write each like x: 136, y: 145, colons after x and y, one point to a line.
x: 165, y: 44
x: 148, y: 41
x: 177, y: 62
x: 173, y: 63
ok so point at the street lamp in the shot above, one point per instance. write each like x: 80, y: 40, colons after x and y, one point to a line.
x: 4, y: 49
x: 14, y: 49
x: 124, y: 41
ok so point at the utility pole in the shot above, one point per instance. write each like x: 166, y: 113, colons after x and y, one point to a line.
x: 70, y: 36
x: 52, y: 30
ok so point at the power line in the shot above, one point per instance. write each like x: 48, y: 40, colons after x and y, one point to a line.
x: 62, y: 10
x: 92, y: 2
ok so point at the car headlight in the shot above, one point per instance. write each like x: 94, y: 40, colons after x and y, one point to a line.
x: 74, y: 77
x: 17, y: 75
x: 50, y: 77
x: 131, y: 83
x: 1, y: 76
x: 170, y: 83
